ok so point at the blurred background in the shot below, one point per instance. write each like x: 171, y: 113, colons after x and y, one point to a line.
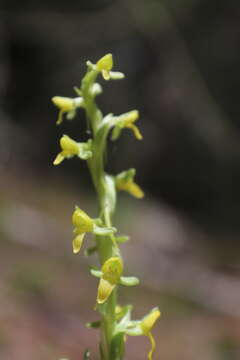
x: 181, y: 60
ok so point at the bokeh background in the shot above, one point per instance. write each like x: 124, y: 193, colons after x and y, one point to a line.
x: 181, y: 60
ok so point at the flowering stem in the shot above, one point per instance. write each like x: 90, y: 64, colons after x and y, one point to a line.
x: 115, y: 321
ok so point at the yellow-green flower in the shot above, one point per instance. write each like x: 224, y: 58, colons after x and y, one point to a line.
x: 141, y: 327
x: 125, y: 182
x: 71, y: 148
x: 111, y: 273
x: 82, y: 223
x: 127, y: 120
x: 132, y: 188
x: 67, y: 105
x: 147, y: 325
x: 105, y: 65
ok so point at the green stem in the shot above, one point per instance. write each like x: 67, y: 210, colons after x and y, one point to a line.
x: 106, y: 245
x: 94, y: 115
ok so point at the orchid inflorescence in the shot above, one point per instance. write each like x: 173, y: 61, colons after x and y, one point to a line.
x: 115, y: 321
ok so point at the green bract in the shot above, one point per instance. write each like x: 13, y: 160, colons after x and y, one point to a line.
x: 115, y: 321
